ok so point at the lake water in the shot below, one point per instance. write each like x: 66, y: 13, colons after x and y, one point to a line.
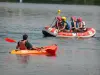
x: 74, y: 56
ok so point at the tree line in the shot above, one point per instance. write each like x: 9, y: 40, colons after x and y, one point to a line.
x: 81, y: 2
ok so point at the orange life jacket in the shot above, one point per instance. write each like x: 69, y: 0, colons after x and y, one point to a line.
x: 22, y: 45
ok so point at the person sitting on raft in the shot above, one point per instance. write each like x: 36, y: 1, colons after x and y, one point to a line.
x: 24, y: 44
x: 65, y: 25
x: 81, y: 25
x: 57, y: 23
x: 74, y: 24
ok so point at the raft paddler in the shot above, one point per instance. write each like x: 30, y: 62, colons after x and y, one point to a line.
x: 65, y: 25
x: 81, y: 24
x: 74, y: 24
x: 58, y: 22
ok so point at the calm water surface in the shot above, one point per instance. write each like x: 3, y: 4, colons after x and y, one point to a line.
x: 74, y: 56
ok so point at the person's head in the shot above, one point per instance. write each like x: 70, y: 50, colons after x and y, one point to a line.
x: 25, y: 36
x: 58, y: 18
x: 63, y: 18
x: 73, y: 18
x: 79, y: 19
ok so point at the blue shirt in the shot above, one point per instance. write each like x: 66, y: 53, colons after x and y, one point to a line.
x: 68, y: 25
x: 72, y: 24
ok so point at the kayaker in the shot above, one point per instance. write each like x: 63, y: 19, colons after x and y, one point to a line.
x: 65, y: 25
x: 74, y: 24
x: 24, y: 44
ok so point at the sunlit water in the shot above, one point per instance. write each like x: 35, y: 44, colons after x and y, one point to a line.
x: 74, y: 56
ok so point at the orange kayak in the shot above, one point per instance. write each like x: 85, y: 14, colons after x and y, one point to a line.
x: 43, y: 50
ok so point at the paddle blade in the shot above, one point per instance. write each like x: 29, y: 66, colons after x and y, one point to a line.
x: 10, y: 40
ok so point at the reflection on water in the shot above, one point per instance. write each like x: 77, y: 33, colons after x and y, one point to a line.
x: 97, y: 38
x: 23, y: 59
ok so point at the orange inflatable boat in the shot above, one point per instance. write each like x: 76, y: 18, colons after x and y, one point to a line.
x: 43, y: 50
x: 48, y: 31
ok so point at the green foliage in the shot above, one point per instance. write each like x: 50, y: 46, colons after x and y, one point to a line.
x: 97, y: 2
x: 83, y: 2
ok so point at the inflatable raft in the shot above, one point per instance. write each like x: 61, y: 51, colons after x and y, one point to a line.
x: 43, y: 50
x: 48, y: 31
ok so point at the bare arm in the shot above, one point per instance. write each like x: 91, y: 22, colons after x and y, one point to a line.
x: 80, y: 25
x: 64, y: 26
x: 75, y: 25
x: 17, y: 45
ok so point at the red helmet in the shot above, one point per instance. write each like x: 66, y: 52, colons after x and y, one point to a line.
x: 73, y: 18
x: 58, y: 18
x: 79, y: 19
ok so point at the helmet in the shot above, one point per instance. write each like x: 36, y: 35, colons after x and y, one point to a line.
x: 64, y: 18
x: 79, y: 19
x: 73, y: 18
x: 58, y: 18
x: 25, y: 36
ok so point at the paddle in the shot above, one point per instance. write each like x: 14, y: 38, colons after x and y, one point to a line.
x: 14, y: 41
x: 58, y: 13
x: 10, y: 40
